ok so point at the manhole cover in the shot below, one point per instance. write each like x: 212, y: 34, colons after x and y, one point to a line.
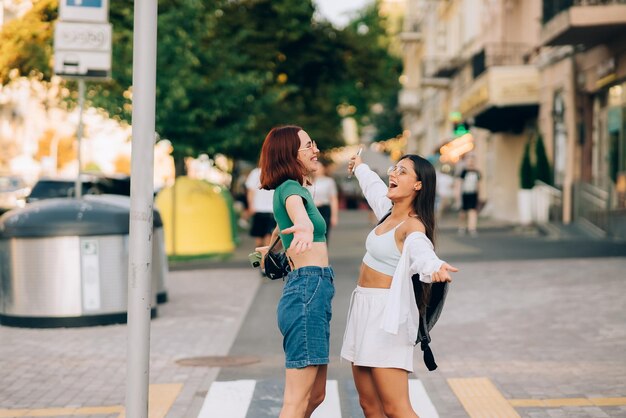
x: 218, y: 361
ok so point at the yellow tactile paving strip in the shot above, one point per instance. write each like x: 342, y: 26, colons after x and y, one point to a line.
x: 556, y: 403
x: 160, y: 399
x: 481, y: 399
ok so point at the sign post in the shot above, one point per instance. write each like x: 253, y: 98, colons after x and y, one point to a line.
x: 82, y: 51
x: 141, y: 208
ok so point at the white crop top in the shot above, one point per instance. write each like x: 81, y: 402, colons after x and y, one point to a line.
x: 382, y: 253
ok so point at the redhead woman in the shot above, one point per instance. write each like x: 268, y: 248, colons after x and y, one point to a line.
x: 383, y: 317
x: 288, y: 160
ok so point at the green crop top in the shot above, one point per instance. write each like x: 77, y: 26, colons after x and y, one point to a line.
x: 282, y: 192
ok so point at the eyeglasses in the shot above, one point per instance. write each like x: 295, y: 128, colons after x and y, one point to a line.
x: 308, y: 146
x: 398, y: 169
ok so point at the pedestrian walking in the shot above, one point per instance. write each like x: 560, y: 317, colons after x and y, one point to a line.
x: 324, y: 191
x: 445, y: 190
x: 467, y: 186
x: 288, y: 160
x: 260, y: 209
x: 383, y: 318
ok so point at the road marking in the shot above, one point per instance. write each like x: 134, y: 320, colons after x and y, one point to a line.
x: 559, y: 402
x: 228, y: 399
x: 481, y: 399
x: 57, y: 412
x: 161, y: 398
x: 422, y: 405
x: 330, y: 408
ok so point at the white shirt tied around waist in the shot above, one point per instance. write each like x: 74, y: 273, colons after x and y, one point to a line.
x: 418, y: 257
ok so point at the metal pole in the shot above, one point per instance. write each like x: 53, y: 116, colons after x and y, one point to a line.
x: 78, y: 190
x: 141, y: 208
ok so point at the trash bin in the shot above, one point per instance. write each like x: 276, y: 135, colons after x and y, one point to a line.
x: 64, y: 263
x: 197, y: 218
x: 160, y: 267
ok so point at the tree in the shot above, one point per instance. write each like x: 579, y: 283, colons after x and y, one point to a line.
x: 543, y: 171
x: 26, y: 43
x: 527, y: 177
x: 228, y: 70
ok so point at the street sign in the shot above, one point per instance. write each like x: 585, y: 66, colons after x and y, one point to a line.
x: 82, y: 49
x: 84, y: 10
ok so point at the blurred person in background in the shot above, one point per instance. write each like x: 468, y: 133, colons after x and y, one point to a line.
x: 324, y: 191
x: 288, y: 162
x: 467, y: 192
x: 445, y: 190
x: 260, y: 211
x: 383, y: 317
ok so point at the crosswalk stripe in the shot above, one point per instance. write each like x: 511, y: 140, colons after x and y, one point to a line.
x: 228, y: 399
x: 330, y: 408
x: 422, y: 405
x: 262, y: 399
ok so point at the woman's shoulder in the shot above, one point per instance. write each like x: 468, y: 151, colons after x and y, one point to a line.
x: 289, y: 183
x: 414, y: 224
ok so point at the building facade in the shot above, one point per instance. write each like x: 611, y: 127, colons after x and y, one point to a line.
x: 517, y: 70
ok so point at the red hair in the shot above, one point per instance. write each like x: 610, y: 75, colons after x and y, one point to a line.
x: 279, y: 157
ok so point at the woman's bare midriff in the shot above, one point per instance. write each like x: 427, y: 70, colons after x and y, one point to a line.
x: 316, y: 256
x: 368, y: 277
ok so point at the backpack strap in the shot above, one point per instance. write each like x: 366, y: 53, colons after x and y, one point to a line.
x: 424, y: 340
x: 423, y: 336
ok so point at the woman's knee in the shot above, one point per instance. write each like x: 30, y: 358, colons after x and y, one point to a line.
x: 316, y: 399
x: 370, y: 407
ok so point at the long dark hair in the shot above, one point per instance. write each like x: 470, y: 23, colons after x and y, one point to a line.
x: 424, y: 207
x: 424, y: 202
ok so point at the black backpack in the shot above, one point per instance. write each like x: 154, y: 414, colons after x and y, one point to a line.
x: 430, y: 315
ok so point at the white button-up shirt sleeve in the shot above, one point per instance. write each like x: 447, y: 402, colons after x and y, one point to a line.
x: 374, y: 190
x: 418, y: 256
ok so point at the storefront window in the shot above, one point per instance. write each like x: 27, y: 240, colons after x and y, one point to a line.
x: 616, y: 127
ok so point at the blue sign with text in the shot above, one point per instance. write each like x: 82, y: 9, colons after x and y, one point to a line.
x: 84, y: 3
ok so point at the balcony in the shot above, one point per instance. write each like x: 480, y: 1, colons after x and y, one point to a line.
x: 411, y: 33
x: 502, y: 98
x: 499, y: 54
x: 442, y: 67
x: 585, y: 22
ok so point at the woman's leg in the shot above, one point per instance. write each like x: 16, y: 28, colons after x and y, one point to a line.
x: 299, y: 384
x: 319, y: 390
x: 392, y: 386
x: 368, y: 396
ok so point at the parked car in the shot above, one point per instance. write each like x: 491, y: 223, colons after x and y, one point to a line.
x: 13, y: 192
x: 48, y: 188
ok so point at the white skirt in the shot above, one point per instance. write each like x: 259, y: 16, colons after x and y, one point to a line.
x: 365, y: 343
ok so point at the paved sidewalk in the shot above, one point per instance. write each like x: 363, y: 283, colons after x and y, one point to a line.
x: 537, y: 329
x: 86, y: 367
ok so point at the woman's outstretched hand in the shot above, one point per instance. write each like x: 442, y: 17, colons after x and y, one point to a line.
x: 354, y: 162
x: 302, y: 238
x: 443, y: 275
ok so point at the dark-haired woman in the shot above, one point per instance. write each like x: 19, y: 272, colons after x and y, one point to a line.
x: 383, y: 318
x: 288, y: 160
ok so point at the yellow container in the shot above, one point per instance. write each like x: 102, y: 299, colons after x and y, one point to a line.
x: 196, y: 218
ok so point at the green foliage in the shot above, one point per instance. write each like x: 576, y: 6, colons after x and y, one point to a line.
x: 527, y: 174
x: 227, y: 71
x: 543, y: 171
x: 26, y: 43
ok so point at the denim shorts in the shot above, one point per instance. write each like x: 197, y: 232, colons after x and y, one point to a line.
x: 304, y: 313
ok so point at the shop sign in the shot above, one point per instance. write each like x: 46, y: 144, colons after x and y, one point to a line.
x: 605, y: 72
x: 514, y: 86
x: 476, y: 97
